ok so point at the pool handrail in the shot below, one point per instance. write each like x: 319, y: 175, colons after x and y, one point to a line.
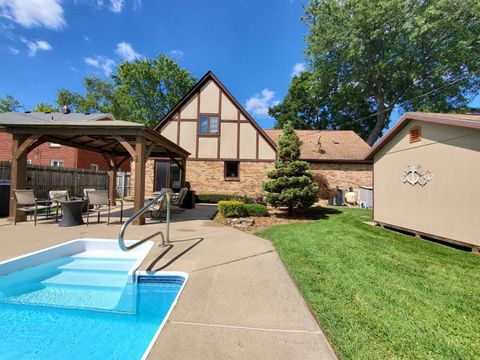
x: 121, y: 241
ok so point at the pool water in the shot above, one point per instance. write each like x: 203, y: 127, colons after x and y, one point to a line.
x: 44, y: 332
x: 82, y: 281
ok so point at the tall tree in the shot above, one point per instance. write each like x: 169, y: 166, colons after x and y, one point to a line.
x: 291, y: 184
x: 9, y: 103
x: 141, y: 90
x: 368, y: 57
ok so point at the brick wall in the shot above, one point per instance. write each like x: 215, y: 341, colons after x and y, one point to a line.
x: 345, y: 175
x: 5, y: 146
x: 87, y: 158
x: 207, y: 177
x: 149, y: 177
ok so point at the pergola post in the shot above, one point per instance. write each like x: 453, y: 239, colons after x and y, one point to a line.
x: 112, y: 182
x: 139, y: 198
x: 18, y: 175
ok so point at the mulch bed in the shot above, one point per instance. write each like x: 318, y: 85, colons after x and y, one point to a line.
x: 275, y: 217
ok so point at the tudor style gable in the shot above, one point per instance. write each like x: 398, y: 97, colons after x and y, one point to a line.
x: 212, y: 125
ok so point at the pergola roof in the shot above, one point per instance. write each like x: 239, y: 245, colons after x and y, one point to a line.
x: 95, y: 132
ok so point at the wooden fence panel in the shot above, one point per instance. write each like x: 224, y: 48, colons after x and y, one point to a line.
x: 43, y: 178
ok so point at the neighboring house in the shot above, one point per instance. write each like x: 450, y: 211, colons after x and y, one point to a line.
x: 427, y: 174
x: 54, y: 154
x: 231, y: 153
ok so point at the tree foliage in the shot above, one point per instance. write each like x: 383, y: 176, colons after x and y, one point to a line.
x: 368, y: 57
x: 45, y: 107
x: 291, y: 184
x: 141, y: 91
x: 9, y: 103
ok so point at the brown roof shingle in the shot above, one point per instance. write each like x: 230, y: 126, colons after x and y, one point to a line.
x: 328, y: 144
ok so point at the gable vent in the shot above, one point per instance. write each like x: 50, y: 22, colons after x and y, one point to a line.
x: 415, y: 134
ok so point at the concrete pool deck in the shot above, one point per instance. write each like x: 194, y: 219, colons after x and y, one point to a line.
x: 239, y: 301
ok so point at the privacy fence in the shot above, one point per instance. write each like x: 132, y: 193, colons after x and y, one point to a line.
x: 43, y: 178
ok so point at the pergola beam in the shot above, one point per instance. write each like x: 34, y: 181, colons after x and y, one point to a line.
x: 27, y: 143
x: 127, y: 146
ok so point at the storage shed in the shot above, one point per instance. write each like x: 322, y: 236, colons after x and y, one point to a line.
x: 427, y: 177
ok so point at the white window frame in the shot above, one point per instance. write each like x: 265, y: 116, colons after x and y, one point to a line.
x: 56, y: 163
x: 94, y: 167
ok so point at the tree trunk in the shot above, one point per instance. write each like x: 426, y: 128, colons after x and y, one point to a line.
x: 290, y: 210
x: 382, y: 114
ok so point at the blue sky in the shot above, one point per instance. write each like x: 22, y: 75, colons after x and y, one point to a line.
x: 252, y: 46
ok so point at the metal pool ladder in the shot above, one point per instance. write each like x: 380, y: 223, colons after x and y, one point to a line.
x: 167, y: 193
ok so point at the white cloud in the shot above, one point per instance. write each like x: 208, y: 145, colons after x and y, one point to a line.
x: 298, y: 68
x: 34, y: 13
x: 34, y: 46
x: 259, y: 103
x: 13, y: 51
x: 102, y: 63
x: 116, y: 6
x: 176, y: 54
x: 126, y: 52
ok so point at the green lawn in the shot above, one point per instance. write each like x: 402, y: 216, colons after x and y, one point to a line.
x: 379, y: 294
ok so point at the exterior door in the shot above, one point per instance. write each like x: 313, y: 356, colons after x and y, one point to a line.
x: 162, y: 175
x: 167, y: 175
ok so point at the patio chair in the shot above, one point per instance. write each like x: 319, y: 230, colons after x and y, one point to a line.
x: 27, y: 201
x: 177, y: 199
x: 99, y: 200
x: 157, y: 209
x: 85, y: 191
x: 56, y: 196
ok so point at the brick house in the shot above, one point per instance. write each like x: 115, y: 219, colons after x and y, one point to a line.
x: 54, y: 154
x: 231, y: 153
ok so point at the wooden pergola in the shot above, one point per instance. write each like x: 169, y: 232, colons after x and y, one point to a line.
x: 116, y: 140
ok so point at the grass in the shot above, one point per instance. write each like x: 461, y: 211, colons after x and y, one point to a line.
x: 379, y: 294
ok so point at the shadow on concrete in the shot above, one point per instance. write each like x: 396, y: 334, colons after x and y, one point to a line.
x: 169, y: 247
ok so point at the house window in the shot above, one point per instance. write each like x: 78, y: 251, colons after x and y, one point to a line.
x: 415, y: 134
x: 94, y: 167
x: 54, y: 145
x: 232, y: 170
x: 29, y: 162
x: 208, y: 125
x: 56, y: 163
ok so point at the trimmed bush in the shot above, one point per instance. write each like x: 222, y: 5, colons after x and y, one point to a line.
x: 256, y: 210
x: 213, y: 198
x: 232, y: 208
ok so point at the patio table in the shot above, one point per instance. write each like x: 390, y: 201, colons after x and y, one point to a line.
x: 72, y: 212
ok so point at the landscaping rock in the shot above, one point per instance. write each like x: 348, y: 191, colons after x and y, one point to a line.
x: 247, y: 221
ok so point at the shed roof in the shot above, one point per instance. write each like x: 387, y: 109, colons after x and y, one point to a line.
x: 463, y: 120
x: 328, y: 145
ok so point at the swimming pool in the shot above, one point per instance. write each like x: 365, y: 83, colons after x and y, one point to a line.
x: 83, y: 301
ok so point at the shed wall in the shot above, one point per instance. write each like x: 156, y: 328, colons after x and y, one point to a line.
x: 447, y: 206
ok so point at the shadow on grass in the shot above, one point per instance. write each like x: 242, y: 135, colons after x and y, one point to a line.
x: 313, y: 213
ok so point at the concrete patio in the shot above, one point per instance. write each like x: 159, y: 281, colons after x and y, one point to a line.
x: 239, y: 302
